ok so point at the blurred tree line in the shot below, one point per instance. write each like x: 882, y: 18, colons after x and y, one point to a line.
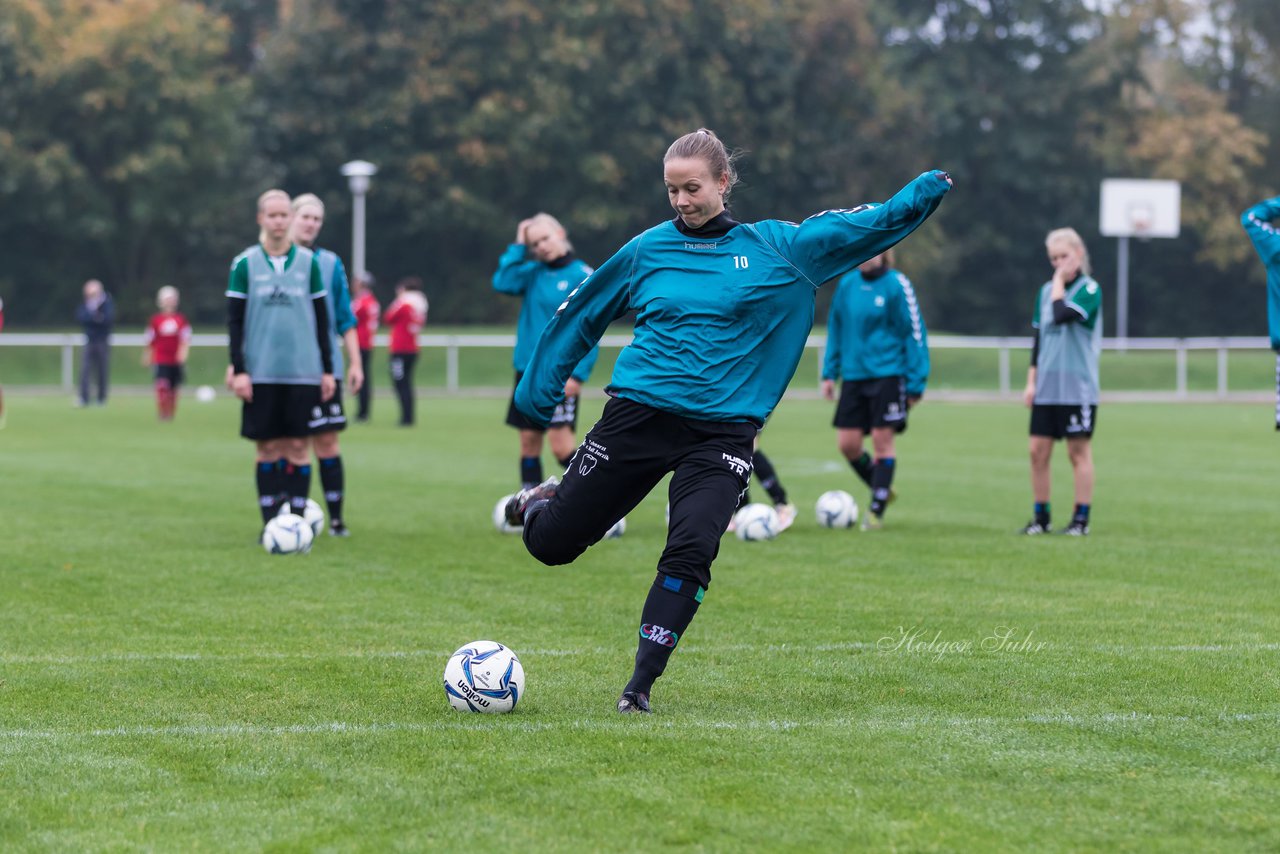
x: 135, y: 136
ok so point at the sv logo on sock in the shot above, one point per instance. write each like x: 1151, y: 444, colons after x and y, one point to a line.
x: 659, y: 635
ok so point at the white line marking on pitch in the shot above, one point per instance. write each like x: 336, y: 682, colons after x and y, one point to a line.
x: 372, y: 654
x: 484, y: 723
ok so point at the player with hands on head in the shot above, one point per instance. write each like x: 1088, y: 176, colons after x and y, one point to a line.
x: 723, y: 311
x: 878, y: 347
x: 541, y: 269
x: 281, y: 354
x: 1062, y: 381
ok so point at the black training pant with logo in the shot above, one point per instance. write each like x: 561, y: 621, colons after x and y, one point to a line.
x: 629, y: 450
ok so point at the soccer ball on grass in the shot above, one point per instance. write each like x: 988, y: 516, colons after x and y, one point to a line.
x: 287, y: 534
x: 756, y: 522
x: 836, y: 509
x: 484, y: 676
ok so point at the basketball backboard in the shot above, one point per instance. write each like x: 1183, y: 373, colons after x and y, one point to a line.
x: 1133, y: 207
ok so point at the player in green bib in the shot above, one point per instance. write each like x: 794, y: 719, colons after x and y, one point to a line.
x: 281, y: 354
x: 1062, y: 382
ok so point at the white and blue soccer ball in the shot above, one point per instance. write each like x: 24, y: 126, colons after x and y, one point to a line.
x: 314, y: 516
x: 756, y: 522
x: 500, y: 516
x: 836, y: 509
x: 287, y: 534
x: 484, y: 676
x: 619, y: 528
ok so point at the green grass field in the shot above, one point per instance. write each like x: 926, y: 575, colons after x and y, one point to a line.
x: 165, y: 685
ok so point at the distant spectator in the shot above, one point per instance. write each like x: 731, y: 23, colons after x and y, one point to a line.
x: 365, y: 305
x: 168, y: 339
x: 95, y: 315
x: 406, y: 316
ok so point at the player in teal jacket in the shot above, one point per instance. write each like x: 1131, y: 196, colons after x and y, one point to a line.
x: 540, y: 267
x: 308, y: 219
x: 723, y: 310
x: 1259, y: 223
x: 878, y: 347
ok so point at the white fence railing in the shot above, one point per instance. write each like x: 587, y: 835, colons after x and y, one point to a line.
x: 452, y: 345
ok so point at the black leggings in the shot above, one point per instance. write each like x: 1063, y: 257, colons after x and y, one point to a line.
x: 622, y: 459
x: 402, y: 377
x: 366, y: 390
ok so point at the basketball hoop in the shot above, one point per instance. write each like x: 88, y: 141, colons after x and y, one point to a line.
x: 1141, y: 217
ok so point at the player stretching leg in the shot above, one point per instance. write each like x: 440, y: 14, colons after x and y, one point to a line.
x: 723, y: 310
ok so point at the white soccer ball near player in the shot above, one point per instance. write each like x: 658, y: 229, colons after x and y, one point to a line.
x: 287, y: 534
x: 484, y: 676
x: 836, y: 509
x: 314, y: 516
x: 756, y: 522
x: 500, y: 516
x: 205, y: 394
x: 619, y: 528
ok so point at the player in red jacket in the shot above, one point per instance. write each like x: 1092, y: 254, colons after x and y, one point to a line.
x: 168, y: 340
x: 406, y: 316
x: 366, y: 309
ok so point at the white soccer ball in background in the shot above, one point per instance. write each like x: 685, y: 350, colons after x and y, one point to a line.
x: 836, y: 509
x: 619, y: 528
x: 756, y: 522
x: 314, y: 516
x: 500, y: 516
x: 205, y: 394
x: 287, y: 534
x: 484, y: 676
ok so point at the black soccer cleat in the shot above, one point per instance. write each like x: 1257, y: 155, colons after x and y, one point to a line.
x: 522, y: 499
x: 1077, y: 528
x: 633, y: 702
x: 1035, y: 528
x: 338, y: 529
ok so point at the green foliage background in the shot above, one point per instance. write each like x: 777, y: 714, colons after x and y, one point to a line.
x: 136, y: 134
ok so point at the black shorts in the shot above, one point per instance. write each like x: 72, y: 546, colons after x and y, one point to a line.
x: 623, y: 457
x: 175, y: 375
x: 1064, y: 420
x: 865, y: 404
x: 331, y: 416
x: 566, y: 414
x: 280, y: 411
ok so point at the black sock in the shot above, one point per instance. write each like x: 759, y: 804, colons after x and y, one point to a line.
x: 862, y: 467
x: 333, y: 481
x: 667, y: 613
x: 881, y: 480
x: 297, y: 485
x: 1042, y: 513
x: 530, y: 472
x: 1081, y: 515
x: 769, y: 478
x: 268, y: 480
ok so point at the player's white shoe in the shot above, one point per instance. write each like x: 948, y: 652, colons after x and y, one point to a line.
x: 786, y: 515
